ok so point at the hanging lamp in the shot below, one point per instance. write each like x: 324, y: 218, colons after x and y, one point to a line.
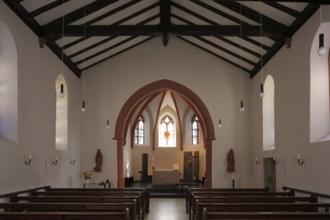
x: 83, y: 106
x: 262, y: 93
x: 322, y: 50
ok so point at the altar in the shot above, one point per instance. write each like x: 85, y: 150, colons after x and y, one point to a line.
x: 165, y: 177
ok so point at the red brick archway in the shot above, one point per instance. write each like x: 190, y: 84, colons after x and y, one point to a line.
x: 139, y: 97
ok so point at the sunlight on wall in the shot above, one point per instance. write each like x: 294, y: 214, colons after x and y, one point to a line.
x: 319, y: 88
x: 8, y: 85
x: 268, y: 114
x: 61, y: 136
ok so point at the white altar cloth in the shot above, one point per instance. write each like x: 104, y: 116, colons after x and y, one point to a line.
x: 163, y: 177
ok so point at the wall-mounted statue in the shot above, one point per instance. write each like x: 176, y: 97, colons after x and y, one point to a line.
x: 98, y: 161
x: 230, y: 161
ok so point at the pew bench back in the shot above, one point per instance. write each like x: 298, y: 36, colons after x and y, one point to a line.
x: 65, y: 215
x: 207, y: 215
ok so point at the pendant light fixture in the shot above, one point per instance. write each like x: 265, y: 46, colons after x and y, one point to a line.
x: 62, y: 52
x: 220, y: 123
x: 322, y: 50
x: 262, y: 93
x: 83, y: 107
x: 62, y: 90
x: 242, y: 109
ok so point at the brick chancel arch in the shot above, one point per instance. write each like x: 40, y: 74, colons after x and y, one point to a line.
x: 139, y: 97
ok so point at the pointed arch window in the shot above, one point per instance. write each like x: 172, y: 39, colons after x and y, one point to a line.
x: 167, y: 136
x: 8, y: 86
x: 319, y: 88
x: 195, y: 128
x: 139, y: 131
x: 268, y: 113
x: 61, y: 130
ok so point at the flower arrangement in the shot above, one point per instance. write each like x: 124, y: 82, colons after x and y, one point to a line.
x: 87, y: 174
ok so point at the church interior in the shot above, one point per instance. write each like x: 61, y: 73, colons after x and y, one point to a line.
x: 215, y: 94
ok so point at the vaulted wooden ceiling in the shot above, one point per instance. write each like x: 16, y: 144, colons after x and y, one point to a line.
x: 84, y: 33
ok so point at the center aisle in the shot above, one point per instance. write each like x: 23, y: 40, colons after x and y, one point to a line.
x: 167, y: 209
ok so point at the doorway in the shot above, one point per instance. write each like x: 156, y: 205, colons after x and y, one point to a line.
x: 270, y: 174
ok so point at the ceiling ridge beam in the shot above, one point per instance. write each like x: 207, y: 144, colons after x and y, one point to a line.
x: 165, y: 18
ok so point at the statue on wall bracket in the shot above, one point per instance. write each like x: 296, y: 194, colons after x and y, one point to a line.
x: 231, y: 161
x: 98, y: 161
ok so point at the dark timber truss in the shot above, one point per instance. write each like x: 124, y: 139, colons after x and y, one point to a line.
x: 87, y: 33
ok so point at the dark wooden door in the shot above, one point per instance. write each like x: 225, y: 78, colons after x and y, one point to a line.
x: 188, y: 166
x: 144, y: 171
x: 270, y: 174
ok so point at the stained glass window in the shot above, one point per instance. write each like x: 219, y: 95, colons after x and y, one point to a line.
x: 195, y: 130
x: 139, y: 132
x: 167, y: 137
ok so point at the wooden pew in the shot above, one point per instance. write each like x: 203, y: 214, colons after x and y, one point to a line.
x: 258, y: 207
x: 191, y: 191
x: 65, y: 215
x: 144, y: 199
x: 247, y: 199
x: 70, y: 207
x: 83, y: 199
x: 190, y: 197
x: 264, y: 215
x: 145, y: 192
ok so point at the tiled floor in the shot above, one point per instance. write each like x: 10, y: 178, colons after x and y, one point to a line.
x: 167, y: 209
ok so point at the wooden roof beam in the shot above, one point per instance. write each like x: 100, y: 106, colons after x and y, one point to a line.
x: 152, y: 30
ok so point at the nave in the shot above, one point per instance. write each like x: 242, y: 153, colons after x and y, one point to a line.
x: 167, y: 209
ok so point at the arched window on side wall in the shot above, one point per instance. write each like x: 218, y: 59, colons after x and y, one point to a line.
x: 61, y: 136
x: 8, y: 85
x: 195, y: 130
x: 319, y: 88
x: 167, y: 136
x: 268, y: 114
x: 139, y: 132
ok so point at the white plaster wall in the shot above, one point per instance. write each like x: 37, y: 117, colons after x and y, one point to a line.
x: 290, y: 69
x: 37, y: 71
x: 111, y: 83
